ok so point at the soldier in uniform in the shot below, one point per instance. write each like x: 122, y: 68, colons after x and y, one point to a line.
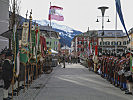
x: 7, y: 74
x: 128, y: 75
x: 2, y: 57
x: 64, y: 61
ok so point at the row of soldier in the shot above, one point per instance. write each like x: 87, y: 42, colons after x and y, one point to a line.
x: 68, y: 59
x: 27, y: 73
x: 116, y: 69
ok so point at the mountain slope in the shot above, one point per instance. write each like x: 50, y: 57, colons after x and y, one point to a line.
x: 66, y: 33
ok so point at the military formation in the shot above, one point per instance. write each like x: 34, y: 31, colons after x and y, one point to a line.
x: 114, y: 68
x: 13, y: 83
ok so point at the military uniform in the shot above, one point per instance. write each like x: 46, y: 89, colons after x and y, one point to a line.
x: 7, y: 74
x: 128, y: 76
x: 63, y: 61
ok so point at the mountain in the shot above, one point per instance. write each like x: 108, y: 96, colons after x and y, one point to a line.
x: 66, y: 33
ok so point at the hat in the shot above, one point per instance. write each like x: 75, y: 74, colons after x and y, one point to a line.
x: 8, y: 53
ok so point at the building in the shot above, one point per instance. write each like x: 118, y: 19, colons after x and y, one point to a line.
x: 130, y: 45
x: 79, y: 45
x: 65, y: 50
x: 52, y: 37
x: 113, y: 41
x: 4, y: 22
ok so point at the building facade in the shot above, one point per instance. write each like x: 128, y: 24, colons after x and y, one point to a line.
x: 52, y: 37
x: 4, y: 22
x: 112, y: 41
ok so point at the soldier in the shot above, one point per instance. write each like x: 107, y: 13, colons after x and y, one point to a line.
x: 7, y: 74
x: 128, y: 75
x: 64, y: 61
x: 2, y: 57
x: 95, y: 60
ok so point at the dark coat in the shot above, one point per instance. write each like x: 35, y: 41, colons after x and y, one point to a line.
x: 7, y: 69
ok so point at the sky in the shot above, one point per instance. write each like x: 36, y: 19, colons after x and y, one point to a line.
x: 81, y: 14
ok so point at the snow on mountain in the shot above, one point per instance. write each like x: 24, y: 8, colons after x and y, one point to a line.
x: 55, y: 25
x: 66, y: 33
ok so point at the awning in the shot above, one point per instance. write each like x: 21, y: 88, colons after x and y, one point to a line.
x: 53, y: 51
x: 8, y: 34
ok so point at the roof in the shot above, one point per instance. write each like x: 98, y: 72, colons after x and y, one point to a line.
x: 46, y: 28
x: 8, y: 34
x: 111, y: 33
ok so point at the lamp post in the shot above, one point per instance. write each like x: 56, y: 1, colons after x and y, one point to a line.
x: 103, y: 8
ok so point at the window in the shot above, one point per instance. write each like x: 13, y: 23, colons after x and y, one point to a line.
x: 100, y: 43
x: 113, y: 43
x: 55, y: 42
x: 50, y: 43
x: 47, y: 42
x: 105, y: 43
x: 124, y: 43
x: 119, y: 43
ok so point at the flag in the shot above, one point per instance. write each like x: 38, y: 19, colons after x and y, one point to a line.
x: 55, y: 13
x: 24, y: 43
x: 96, y: 50
x: 90, y: 47
x: 131, y: 63
x: 88, y: 50
x: 17, y: 56
x: 119, y: 11
x: 43, y: 45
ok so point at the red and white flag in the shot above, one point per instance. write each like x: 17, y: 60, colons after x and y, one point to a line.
x: 55, y: 13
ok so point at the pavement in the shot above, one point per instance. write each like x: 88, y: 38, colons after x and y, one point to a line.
x: 75, y: 82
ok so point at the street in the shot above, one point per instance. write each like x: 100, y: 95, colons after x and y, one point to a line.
x: 74, y: 82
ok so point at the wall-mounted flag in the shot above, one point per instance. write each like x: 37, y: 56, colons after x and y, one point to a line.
x: 119, y: 11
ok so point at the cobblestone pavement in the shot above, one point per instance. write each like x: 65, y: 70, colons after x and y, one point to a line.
x: 74, y: 82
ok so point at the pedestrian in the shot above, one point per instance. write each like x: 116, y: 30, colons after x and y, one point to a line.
x: 64, y: 61
x: 7, y: 74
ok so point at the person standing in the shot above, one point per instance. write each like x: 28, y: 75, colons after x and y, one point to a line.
x: 64, y: 61
x: 7, y: 73
x: 128, y: 75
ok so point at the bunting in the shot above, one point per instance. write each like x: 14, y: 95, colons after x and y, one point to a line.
x: 119, y: 11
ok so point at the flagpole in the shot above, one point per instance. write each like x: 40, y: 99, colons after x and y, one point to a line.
x: 115, y: 34
x: 50, y: 20
x: 50, y: 16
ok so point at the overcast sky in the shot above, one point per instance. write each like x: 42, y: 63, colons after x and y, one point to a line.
x: 81, y: 14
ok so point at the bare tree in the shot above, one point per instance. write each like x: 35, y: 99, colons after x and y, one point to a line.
x: 14, y: 15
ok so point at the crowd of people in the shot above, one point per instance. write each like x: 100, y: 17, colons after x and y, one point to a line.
x: 114, y: 68
x: 13, y: 83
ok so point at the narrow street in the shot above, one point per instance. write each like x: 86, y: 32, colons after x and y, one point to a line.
x: 75, y: 82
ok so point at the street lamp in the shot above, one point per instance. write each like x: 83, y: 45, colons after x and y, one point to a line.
x: 103, y: 8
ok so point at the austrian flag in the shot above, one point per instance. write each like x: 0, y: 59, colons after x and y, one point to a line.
x: 55, y: 13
